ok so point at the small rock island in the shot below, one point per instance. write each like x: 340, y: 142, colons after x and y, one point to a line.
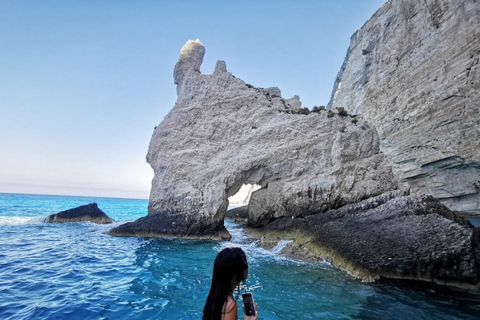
x: 89, y: 212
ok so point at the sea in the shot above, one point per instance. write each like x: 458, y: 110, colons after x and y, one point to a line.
x: 78, y: 271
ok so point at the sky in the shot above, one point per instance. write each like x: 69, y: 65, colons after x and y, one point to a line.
x: 83, y: 83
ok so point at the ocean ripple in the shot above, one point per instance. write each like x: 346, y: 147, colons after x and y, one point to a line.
x: 77, y: 271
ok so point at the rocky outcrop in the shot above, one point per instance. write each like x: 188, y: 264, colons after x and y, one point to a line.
x: 223, y: 133
x: 413, y: 71
x: 89, y: 212
x: 391, y: 236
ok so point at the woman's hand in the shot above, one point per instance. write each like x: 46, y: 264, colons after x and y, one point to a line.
x: 255, y: 317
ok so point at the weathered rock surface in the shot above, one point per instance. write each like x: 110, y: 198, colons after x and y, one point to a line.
x: 223, y: 133
x: 391, y: 236
x: 413, y: 71
x: 89, y: 212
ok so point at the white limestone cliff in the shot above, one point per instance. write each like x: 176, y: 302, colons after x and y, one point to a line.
x: 413, y: 72
x: 223, y: 133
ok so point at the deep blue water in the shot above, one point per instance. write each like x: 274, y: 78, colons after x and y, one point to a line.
x: 76, y: 271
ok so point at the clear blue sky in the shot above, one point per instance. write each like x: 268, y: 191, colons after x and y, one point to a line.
x: 83, y: 83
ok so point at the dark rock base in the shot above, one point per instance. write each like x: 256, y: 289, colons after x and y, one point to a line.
x: 407, y: 237
x: 164, y: 226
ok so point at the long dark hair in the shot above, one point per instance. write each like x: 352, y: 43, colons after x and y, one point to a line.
x: 229, y: 269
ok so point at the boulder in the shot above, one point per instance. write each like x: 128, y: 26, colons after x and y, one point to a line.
x: 392, y: 236
x: 89, y: 212
x: 223, y: 133
x: 413, y: 72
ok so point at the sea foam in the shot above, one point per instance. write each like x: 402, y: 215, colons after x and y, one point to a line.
x: 16, y: 221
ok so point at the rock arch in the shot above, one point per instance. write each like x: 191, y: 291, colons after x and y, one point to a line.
x: 223, y: 132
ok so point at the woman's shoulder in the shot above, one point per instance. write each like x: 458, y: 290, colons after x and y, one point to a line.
x: 230, y: 305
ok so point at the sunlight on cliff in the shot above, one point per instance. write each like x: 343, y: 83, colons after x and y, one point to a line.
x: 242, y: 197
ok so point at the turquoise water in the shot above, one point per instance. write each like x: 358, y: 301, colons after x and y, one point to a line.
x: 77, y: 271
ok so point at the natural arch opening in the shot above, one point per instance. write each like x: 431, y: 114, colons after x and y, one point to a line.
x: 238, y: 203
x: 242, y: 197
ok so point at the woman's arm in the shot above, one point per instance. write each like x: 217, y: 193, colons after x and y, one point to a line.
x: 231, y: 312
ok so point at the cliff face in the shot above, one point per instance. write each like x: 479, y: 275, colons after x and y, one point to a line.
x: 223, y: 133
x: 413, y: 72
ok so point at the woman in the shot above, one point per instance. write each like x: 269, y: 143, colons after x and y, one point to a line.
x: 229, y: 269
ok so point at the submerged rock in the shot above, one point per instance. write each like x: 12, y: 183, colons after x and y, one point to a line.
x: 89, y: 212
x: 223, y: 133
x: 391, y: 236
x: 413, y: 72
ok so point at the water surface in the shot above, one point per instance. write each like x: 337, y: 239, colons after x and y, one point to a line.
x: 77, y: 271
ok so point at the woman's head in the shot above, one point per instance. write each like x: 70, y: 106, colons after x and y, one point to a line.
x: 229, y: 269
x: 230, y: 266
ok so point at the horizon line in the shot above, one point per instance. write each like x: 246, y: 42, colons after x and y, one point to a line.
x: 71, y: 195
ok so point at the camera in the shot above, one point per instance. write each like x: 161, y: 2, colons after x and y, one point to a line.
x: 248, y: 304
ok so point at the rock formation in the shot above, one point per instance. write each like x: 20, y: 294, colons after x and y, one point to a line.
x: 322, y: 177
x: 391, y: 236
x: 413, y: 72
x: 223, y: 133
x: 89, y: 212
